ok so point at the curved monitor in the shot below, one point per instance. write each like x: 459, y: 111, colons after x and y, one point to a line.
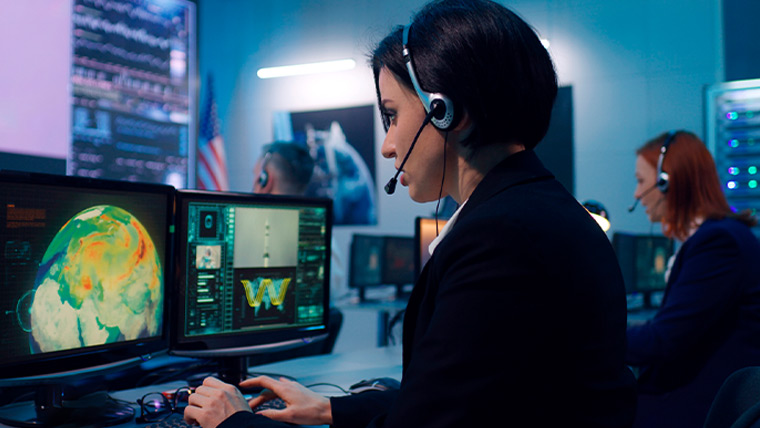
x: 253, y: 274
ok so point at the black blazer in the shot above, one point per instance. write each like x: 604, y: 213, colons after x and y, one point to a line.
x: 707, y: 327
x: 517, y: 319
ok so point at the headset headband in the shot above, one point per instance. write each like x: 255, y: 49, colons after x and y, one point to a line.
x: 443, y: 120
x: 663, y: 179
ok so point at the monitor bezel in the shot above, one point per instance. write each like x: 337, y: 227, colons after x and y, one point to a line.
x: 60, y: 366
x: 235, y: 344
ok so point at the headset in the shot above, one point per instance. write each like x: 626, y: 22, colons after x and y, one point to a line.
x: 439, y: 108
x: 663, y: 179
x: 263, y: 178
x: 441, y: 105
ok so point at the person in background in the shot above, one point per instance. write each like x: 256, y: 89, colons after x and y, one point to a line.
x: 286, y: 168
x: 518, y: 318
x: 708, y: 324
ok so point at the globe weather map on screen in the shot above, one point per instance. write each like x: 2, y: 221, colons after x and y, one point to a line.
x: 79, y: 270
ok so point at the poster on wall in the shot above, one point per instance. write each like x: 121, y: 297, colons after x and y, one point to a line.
x: 342, y: 143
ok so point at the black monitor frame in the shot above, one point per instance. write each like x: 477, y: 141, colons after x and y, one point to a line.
x: 230, y: 349
x: 384, y: 275
x: 51, y: 372
x: 636, y: 252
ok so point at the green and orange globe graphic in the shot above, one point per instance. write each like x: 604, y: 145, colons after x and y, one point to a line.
x: 100, y: 281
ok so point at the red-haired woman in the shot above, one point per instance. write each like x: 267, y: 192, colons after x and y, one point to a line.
x: 708, y: 325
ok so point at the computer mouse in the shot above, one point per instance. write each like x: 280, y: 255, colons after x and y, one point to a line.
x: 376, y: 384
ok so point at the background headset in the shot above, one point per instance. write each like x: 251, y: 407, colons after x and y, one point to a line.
x: 663, y: 179
x: 441, y: 105
x: 263, y: 174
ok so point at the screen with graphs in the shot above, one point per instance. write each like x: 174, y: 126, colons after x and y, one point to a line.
x: 253, y: 267
x: 100, y: 88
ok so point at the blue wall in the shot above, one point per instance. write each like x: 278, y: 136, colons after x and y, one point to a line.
x: 637, y: 68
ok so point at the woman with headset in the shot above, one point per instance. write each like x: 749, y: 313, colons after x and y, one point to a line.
x: 518, y: 318
x: 708, y: 324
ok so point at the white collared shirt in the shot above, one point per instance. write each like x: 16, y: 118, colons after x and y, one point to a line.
x: 446, y: 228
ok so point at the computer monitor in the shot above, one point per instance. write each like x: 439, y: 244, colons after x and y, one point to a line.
x: 643, y: 261
x: 398, y: 260
x: 425, y: 231
x: 367, y: 252
x: 83, y: 265
x: 379, y: 260
x: 105, y: 89
x: 253, y: 276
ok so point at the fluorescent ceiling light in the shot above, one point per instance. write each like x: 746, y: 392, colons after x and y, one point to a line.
x: 300, y: 69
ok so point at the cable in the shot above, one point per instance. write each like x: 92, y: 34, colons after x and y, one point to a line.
x: 327, y: 384
x: 443, y: 177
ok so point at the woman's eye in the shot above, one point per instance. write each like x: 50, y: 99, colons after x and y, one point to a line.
x: 390, y: 117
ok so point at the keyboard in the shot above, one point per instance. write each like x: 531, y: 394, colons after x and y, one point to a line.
x: 176, y: 420
x: 173, y: 421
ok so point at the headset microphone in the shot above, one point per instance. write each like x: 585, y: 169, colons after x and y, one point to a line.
x: 390, y: 187
x: 633, y: 207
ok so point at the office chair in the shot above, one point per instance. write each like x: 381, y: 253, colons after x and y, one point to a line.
x: 737, y: 403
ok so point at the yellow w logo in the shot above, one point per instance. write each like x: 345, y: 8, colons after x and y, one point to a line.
x: 256, y: 297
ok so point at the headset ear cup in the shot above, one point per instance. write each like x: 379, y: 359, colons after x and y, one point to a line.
x: 663, y: 180
x: 263, y: 178
x: 445, y: 117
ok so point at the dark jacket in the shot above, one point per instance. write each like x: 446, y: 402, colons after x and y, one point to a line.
x: 707, y: 327
x: 517, y: 319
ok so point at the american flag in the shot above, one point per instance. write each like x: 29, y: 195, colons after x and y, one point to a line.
x: 212, y: 162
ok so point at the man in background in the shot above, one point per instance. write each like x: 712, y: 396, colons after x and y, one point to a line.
x: 285, y: 168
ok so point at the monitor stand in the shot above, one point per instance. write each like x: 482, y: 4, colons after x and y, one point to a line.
x: 232, y: 370
x: 50, y: 408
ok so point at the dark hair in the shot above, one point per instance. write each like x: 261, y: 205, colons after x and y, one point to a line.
x: 486, y: 59
x: 295, y: 163
x: 694, y: 190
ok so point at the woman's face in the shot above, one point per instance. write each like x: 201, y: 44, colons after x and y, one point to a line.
x: 646, y: 190
x: 424, y: 168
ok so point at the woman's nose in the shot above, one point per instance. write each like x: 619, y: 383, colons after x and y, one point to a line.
x: 388, y: 149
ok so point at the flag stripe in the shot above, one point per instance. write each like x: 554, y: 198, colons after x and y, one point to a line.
x: 212, y: 162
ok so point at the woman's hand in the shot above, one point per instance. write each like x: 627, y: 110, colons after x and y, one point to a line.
x: 304, y: 407
x: 213, y: 402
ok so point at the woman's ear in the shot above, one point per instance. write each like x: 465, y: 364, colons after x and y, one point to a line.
x: 464, y: 127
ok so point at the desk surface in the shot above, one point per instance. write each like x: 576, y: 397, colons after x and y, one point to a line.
x: 343, y: 369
